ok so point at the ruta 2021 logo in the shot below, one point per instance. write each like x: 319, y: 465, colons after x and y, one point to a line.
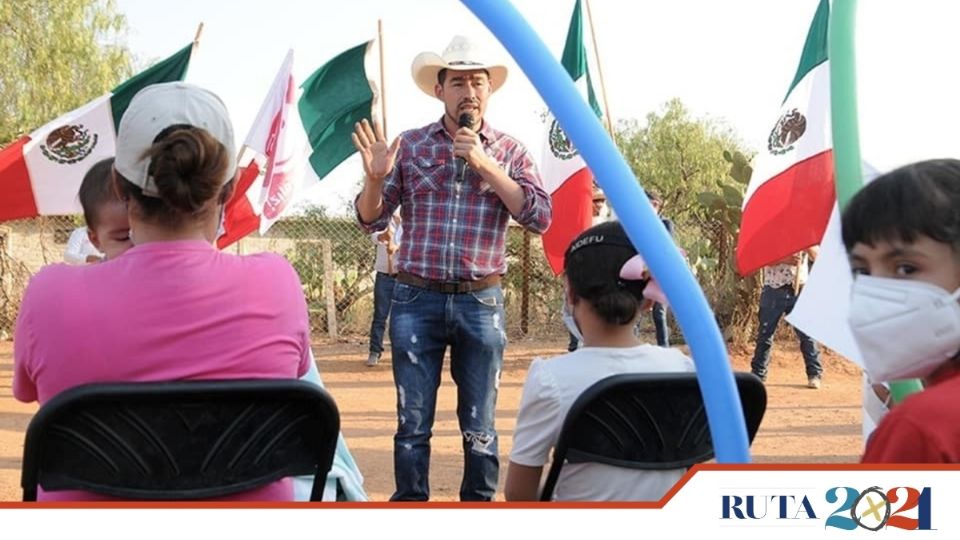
x: 844, y: 508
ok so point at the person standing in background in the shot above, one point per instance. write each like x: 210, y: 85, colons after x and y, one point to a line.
x: 659, y: 311
x: 388, y: 244
x: 782, y: 282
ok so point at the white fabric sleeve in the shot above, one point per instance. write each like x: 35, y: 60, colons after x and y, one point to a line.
x: 539, y: 419
x: 686, y: 361
x: 79, y: 247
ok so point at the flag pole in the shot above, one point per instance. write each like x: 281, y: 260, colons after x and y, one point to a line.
x: 383, y: 88
x: 196, y: 37
x: 196, y: 43
x: 848, y: 173
x: 603, y: 87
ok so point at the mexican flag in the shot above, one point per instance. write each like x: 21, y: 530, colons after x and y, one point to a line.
x: 40, y: 174
x: 790, y: 197
x: 294, y: 143
x: 565, y: 175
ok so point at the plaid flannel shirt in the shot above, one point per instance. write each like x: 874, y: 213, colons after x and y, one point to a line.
x: 456, y: 231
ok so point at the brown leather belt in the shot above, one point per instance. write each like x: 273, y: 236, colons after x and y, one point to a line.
x: 449, y: 287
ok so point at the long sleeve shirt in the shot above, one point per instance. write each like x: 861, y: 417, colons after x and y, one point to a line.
x: 456, y: 231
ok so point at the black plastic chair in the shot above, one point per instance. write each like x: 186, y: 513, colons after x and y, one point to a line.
x: 650, y: 421
x: 184, y: 440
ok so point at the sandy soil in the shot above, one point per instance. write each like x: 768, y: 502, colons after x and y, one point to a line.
x: 801, y: 425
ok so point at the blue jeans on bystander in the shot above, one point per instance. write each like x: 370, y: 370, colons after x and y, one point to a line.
x: 774, y: 304
x: 382, y: 295
x: 659, y: 314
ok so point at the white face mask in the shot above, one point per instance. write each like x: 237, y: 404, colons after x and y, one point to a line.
x: 904, y: 328
x: 570, y: 322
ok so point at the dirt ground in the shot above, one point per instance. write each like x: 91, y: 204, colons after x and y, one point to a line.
x: 801, y: 425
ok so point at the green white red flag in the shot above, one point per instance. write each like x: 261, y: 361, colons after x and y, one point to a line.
x: 40, y: 173
x: 565, y: 175
x: 791, y: 194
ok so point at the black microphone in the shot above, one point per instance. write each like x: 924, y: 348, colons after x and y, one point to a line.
x: 465, y: 120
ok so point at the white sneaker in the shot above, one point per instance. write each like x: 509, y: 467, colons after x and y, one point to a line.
x: 373, y: 359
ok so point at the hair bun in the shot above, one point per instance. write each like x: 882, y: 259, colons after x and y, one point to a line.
x: 187, y: 166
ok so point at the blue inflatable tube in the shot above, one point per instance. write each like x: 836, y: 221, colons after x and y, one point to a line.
x: 724, y: 412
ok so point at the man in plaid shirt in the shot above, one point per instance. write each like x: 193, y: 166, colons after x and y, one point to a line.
x: 457, y: 181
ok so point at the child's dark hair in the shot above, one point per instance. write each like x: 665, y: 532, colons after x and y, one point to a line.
x: 187, y: 164
x: 922, y: 198
x: 97, y: 189
x: 592, y: 264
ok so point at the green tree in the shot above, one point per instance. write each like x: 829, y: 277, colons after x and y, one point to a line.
x: 733, y: 297
x: 677, y: 155
x: 700, y: 169
x: 57, y: 55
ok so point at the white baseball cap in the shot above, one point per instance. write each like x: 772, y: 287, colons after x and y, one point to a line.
x: 158, y: 107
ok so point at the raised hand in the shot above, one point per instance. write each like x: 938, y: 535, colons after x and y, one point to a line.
x: 378, y: 158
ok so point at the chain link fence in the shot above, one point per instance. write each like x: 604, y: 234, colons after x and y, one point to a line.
x: 334, y: 259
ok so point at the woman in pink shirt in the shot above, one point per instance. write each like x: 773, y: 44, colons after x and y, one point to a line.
x: 172, y: 307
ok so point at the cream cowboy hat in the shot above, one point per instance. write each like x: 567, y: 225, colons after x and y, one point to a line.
x: 460, y: 55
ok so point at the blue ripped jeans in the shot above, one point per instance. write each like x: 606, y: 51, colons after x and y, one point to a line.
x: 422, y: 324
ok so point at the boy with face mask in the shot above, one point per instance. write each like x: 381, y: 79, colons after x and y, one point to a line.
x: 608, y: 289
x: 902, y: 234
